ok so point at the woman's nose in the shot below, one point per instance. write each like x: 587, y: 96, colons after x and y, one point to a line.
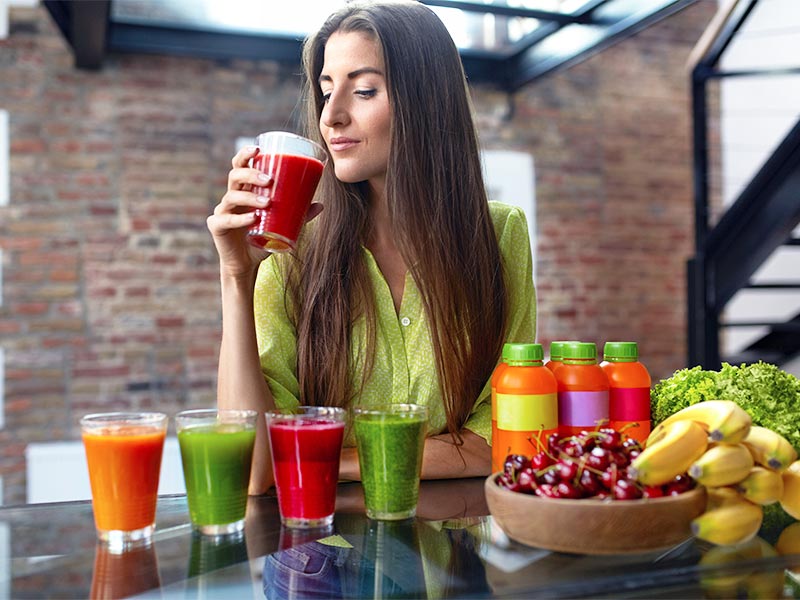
x: 335, y: 111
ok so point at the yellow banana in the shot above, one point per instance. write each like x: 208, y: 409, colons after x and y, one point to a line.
x: 790, y: 501
x: 769, y: 448
x: 683, y: 443
x: 732, y: 523
x: 719, y: 496
x: 724, y: 420
x: 722, y: 464
x: 761, y: 486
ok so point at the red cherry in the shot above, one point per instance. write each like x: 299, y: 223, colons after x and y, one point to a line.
x: 630, y: 445
x: 550, y: 477
x: 526, y: 480
x: 567, y: 490
x: 572, y: 448
x: 653, y: 491
x: 546, y: 491
x: 610, y: 476
x: 609, y: 438
x: 567, y: 469
x: 553, y: 441
x: 541, y: 461
x: 625, y: 489
x: 598, y: 459
x: 590, y: 483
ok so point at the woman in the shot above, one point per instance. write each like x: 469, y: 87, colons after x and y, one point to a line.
x: 406, y: 286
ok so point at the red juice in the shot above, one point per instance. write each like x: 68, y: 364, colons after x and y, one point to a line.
x: 305, y: 461
x: 295, y: 180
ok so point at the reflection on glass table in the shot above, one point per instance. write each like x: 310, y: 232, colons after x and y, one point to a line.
x: 451, y: 549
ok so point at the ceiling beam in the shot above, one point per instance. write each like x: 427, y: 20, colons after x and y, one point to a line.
x: 88, y: 31
x: 507, y: 11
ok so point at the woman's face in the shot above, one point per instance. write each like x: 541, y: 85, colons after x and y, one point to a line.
x: 356, y: 117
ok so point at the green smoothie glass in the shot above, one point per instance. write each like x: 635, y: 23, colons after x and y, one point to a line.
x: 217, y: 453
x: 390, y: 439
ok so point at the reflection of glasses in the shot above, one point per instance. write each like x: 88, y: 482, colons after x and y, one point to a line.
x: 383, y: 559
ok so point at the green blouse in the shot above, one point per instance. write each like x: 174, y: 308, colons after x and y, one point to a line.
x: 404, y: 370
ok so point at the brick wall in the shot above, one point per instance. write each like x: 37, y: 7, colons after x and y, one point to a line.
x: 110, y: 277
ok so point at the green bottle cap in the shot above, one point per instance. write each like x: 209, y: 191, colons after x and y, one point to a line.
x: 557, y: 349
x: 621, y: 352
x: 506, y: 352
x: 579, y: 353
x: 523, y: 352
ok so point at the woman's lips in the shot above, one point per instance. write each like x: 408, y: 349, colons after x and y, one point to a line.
x: 341, y: 143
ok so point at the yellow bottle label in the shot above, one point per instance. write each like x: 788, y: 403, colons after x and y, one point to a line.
x: 527, y: 412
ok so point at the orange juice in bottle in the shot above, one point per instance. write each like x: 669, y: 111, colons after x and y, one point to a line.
x: 527, y: 404
x: 629, y: 396
x: 582, y: 389
x: 495, y: 376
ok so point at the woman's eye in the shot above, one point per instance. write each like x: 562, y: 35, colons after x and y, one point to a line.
x: 325, y: 97
x: 366, y: 93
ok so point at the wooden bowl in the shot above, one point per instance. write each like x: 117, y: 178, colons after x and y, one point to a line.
x: 590, y: 526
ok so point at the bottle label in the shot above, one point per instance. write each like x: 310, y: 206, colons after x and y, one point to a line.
x: 527, y: 412
x: 583, y: 409
x: 629, y: 404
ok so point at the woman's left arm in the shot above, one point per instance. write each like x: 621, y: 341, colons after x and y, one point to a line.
x: 443, y: 459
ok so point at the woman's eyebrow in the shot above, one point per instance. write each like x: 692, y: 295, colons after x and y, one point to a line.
x: 354, y: 74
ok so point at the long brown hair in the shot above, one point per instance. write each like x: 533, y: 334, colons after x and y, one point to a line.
x: 439, y: 214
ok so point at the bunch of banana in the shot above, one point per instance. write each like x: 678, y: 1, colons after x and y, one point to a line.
x: 742, y: 466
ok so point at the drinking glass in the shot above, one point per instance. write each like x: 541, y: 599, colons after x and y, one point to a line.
x: 295, y: 164
x: 217, y: 454
x: 306, y: 446
x: 123, y: 453
x: 390, y: 440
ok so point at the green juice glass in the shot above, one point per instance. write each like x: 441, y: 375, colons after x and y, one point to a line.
x: 217, y: 454
x: 390, y: 439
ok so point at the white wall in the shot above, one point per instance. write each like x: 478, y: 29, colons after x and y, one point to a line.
x: 757, y: 113
x: 57, y: 471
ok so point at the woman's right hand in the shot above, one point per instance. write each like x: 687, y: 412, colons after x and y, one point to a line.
x: 235, y: 214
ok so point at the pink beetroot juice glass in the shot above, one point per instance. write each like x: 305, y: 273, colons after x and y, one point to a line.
x: 295, y: 164
x: 306, y: 446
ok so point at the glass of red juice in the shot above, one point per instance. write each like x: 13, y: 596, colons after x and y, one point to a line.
x: 295, y: 165
x: 306, y: 445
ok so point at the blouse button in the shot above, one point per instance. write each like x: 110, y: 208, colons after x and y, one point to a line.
x: 405, y: 321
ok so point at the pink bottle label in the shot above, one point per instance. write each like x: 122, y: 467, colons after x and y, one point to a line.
x: 583, y: 409
x: 629, y: 404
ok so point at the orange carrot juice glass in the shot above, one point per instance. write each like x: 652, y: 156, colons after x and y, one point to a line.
x: 123, y: 452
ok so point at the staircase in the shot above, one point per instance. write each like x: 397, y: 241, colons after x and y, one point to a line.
x: 732, y: 292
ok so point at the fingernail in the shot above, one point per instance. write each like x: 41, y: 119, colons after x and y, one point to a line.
x: 262, y: 200
x: 264, y: 177
x: 252, y: 149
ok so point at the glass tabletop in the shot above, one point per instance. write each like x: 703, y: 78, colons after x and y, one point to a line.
x: 453, y: 548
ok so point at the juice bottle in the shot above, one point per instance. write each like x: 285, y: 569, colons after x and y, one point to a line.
x: 527, y: 404
x: 582, y: 389
x: 629, y: 396
x: 556, y: 349
x: 496, y: 458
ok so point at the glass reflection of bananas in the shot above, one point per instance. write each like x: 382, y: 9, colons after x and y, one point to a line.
x: 733, y: 571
